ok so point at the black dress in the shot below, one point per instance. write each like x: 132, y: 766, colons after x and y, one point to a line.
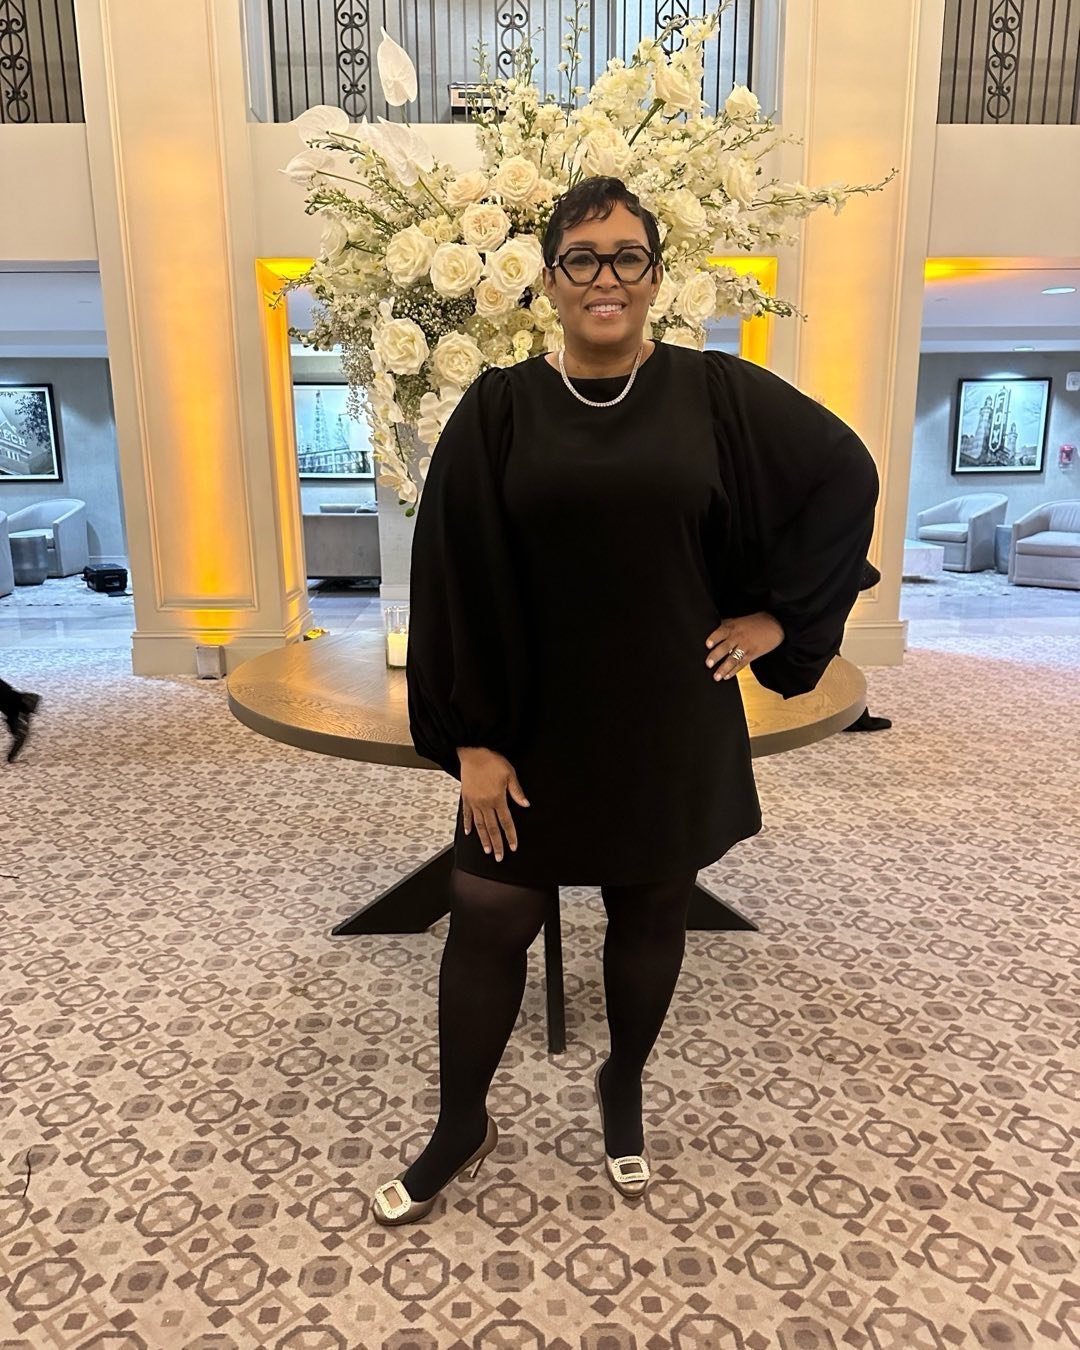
x: 568, y: 563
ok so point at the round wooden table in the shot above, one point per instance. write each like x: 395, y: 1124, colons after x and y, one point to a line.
x: 335, y: 695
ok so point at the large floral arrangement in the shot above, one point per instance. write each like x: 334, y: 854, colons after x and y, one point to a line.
x: 426, y: 276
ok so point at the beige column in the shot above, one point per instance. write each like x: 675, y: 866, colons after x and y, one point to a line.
x: 210, y: 495
x: 860, y: 86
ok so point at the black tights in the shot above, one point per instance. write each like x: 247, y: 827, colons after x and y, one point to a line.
x: 481, y: 983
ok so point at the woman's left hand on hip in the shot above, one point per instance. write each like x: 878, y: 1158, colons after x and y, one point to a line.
x: 737, y: 642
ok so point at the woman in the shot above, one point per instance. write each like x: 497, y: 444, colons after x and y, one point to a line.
x: 605, y: 538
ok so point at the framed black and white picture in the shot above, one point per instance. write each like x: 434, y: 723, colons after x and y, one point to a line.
x: 29, y: 444
x: 329, y: 443
x: 1001, y: 425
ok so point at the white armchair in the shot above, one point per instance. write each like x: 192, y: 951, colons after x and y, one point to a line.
x: 65, y: 519
x: 1045, y: 547
x: 7, y: 572
x: 964, y: 527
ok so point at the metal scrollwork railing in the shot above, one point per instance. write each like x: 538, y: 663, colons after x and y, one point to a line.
x: 39, y: 62
x: 1015, y: 61
x: 322, y: 51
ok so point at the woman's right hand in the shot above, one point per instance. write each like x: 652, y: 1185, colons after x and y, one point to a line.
x: 486, y: 778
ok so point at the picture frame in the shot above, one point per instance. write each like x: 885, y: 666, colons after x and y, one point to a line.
x: 1000, y: 425
x: 329, y: 443
x: 29, y: 435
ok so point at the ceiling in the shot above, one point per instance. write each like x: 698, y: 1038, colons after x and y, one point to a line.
x: 59, y: 312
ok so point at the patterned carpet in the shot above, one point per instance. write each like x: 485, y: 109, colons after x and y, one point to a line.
x: 863, y: 1119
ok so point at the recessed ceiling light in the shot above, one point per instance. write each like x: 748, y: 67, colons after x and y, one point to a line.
x: 1023, y: 349
x: 1059, y: 290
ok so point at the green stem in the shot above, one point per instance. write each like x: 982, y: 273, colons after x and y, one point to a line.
x: 657, y: 104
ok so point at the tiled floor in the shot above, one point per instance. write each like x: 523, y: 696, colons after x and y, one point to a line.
x: 63, y: 613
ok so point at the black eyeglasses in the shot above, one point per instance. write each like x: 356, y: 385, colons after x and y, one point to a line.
x: 583, y: 265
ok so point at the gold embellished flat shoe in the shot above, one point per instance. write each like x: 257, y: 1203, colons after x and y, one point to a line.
x: 392, y: 1204
x: 630, y: 1174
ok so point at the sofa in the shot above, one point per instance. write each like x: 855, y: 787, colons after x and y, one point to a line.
x: 65, y: 519
x: 1045, y: 547
x: 7, y: 572
x: 964, y: 527
x: 341, y: 541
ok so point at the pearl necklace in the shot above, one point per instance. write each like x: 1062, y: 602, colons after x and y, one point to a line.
x: 591, y: 402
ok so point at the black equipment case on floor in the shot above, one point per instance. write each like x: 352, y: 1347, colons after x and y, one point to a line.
x: 105, y: 577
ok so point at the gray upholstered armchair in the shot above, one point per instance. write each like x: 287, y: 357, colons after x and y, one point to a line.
x: 65, y: 519
x: 1045, y: 547
x: 7, y: 572
x: 964, y: 526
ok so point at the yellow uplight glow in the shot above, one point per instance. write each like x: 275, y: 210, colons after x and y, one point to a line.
x: 755, y: 334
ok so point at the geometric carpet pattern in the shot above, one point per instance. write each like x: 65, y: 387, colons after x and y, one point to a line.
x: 863, y: 1119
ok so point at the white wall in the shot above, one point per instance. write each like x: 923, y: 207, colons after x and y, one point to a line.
x: 1006, y: 192
x: 83, y: 402
x: 932, y: 480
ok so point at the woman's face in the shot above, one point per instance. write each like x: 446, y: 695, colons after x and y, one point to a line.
x: 607, y: 312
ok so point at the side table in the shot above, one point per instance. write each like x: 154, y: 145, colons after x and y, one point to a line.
x: 1002, y: 547
x: 30, y: 556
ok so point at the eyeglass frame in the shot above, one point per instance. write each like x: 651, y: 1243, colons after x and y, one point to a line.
x: 609, y: 259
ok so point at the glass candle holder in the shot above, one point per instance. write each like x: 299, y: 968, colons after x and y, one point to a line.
x: 396, y: 618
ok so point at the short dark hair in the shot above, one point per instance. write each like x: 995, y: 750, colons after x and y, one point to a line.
x: 595, y: 199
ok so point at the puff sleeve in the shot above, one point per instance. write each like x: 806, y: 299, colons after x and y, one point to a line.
x: 466, y: 671
x: 802, y: 488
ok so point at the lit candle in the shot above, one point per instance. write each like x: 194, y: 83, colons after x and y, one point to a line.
x: 397, y: 646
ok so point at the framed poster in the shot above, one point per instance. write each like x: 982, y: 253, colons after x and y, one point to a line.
x: 29, y: 444
x: 329, y: 443
x: 1001, y: 425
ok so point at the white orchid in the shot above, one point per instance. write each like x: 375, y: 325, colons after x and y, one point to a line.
x: 429, y: 275
x: 397, y: 74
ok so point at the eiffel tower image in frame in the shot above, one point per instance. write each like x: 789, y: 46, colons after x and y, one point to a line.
x: 328, y: 454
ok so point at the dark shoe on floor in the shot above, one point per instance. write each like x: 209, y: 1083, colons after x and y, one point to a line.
x: 867, y: 723
x: 20, y: 729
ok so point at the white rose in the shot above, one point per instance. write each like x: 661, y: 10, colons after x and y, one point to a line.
x: 686, y: 213
x: 544, y: 313
x: 516, y: 179
x: 455, y: 269
x: 516, y: 265
x: 466, y: 188
x: 682, y: 337
x: 739, y: 180
x: 457, y: 360
x: 401, y: 345
x: 408, y: 255
x: 664, y: 296
x: 697, y: 298
x: 606, y: 152
x: 674, y: 88
x: 741, y: 105
x: 484, y: 225
x: 491, y: 303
